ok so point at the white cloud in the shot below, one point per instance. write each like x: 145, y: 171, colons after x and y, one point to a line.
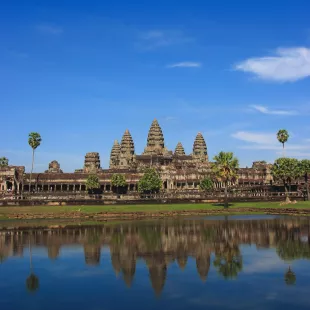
x: 254, y: 137
x: 49, y: 29
x: 185, y: 64
x: 289, y: 64
x: 155, y: 39
x: 266, y: 141
x: 266, y: 110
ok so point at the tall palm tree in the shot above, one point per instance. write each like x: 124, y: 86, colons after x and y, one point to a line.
x: 34, y: 140
x: 282, y: 137
x: 290, y: 277
x: 32, y: 282
x: 4, y: 162
x: 225, y: 168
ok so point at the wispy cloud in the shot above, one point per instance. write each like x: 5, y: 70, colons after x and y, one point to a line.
x: 49, y: 29
x: 266, y: 110
x: 264, y: 141
x: 288, y: 65
x: 255, y: 137
x: 155, y: 39
x: 185, y: 64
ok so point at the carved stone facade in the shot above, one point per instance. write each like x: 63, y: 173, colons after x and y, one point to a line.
x: 54, y: 167
x: 179, y: 171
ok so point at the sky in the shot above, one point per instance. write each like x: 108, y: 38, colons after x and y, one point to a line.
x: 82, y: 72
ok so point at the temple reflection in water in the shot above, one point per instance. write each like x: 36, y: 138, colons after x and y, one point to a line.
x: 212, y: 243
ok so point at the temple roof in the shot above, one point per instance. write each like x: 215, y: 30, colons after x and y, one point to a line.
x: 179, y: 150
x: 155, y: 140
x: 116, y: 149
x: 155, y: 135
x: 127, y: 144
x: 200, y: 146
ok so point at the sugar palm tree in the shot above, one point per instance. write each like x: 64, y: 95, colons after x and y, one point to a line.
x: 282, y: 137
x: 225, y: 168
x: 4, y: 162
x: 34, y: 140
x: 290, y: 277
x: 32, y: 282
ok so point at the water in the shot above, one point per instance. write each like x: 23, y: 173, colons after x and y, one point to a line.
x: 201, y: 263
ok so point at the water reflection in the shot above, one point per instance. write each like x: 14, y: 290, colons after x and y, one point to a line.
x: 213, y: 244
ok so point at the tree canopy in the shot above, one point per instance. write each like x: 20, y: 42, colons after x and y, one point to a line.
x: 34, y: 140
x: 92, y: 182
x: 225, y: 166
x: 118, y: 180
x: 150, y: 182
x: 4, y: 162
x: 283, y: 136
x: 286, y: 169
x: 206, y: 184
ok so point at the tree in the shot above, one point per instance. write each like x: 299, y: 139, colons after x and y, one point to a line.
x: 282, y: 137
x: 286, y: 170
x: 118, y: 181
x: 225, y: 168
x: 290, y: 277
x: 206, y: 184
x: 150, y: 182
x: 228, y: 261
x: 34, y: 140
x: 4, y: 162
x: 305, y: 171
x: 32, y: 282
x: 92, y: 183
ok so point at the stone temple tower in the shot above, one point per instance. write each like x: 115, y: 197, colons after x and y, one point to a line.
x: 92, y: 162
x: 179, y: 150
x: 155, y: 141
x: 115, y: 154
x: 200, y: 148
x: 127, y: 151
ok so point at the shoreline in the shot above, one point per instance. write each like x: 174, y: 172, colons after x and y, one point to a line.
x: 12, y: 217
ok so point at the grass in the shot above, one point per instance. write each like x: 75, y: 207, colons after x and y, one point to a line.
x: 5, y: 211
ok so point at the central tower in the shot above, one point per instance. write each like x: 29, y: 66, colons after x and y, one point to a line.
x: 155, y: 141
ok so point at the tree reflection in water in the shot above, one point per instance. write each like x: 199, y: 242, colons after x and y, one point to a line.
x: 212, y: 244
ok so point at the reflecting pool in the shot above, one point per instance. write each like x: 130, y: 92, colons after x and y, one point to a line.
x: 245, y: 262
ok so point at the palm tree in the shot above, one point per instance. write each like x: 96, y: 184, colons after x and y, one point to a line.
x: 282, y: 137
x: 225, y: 169
x: 32, y: 282
x: 34, y: 141
x: 290, y: 277
x: 4, y: 162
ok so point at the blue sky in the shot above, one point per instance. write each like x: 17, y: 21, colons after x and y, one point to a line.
x: 81, y: 72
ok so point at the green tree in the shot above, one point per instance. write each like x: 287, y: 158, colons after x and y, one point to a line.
x: 32, y: 282
x: 4, y: 162
x: 286, y: 170
x: 206, y: 184
x: 225, y: 169
x: 228, y: 261
x: 118, y: 181
x: 150, y: 182
x: 282, y: 137
x: 305, y: 171
x: 92, y: 183
x: 290, y: 277
x: 34, y: 140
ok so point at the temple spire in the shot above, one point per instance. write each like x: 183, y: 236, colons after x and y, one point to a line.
x: 200, y: 147
x: 179, y: 150
x: 155, y: 140
x: 127, y: 145
x: 115, y: 152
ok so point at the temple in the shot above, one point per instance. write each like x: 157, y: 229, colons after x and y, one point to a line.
x: 181, y: 173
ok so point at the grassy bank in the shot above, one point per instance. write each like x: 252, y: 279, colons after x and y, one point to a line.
x: 5, y: 212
